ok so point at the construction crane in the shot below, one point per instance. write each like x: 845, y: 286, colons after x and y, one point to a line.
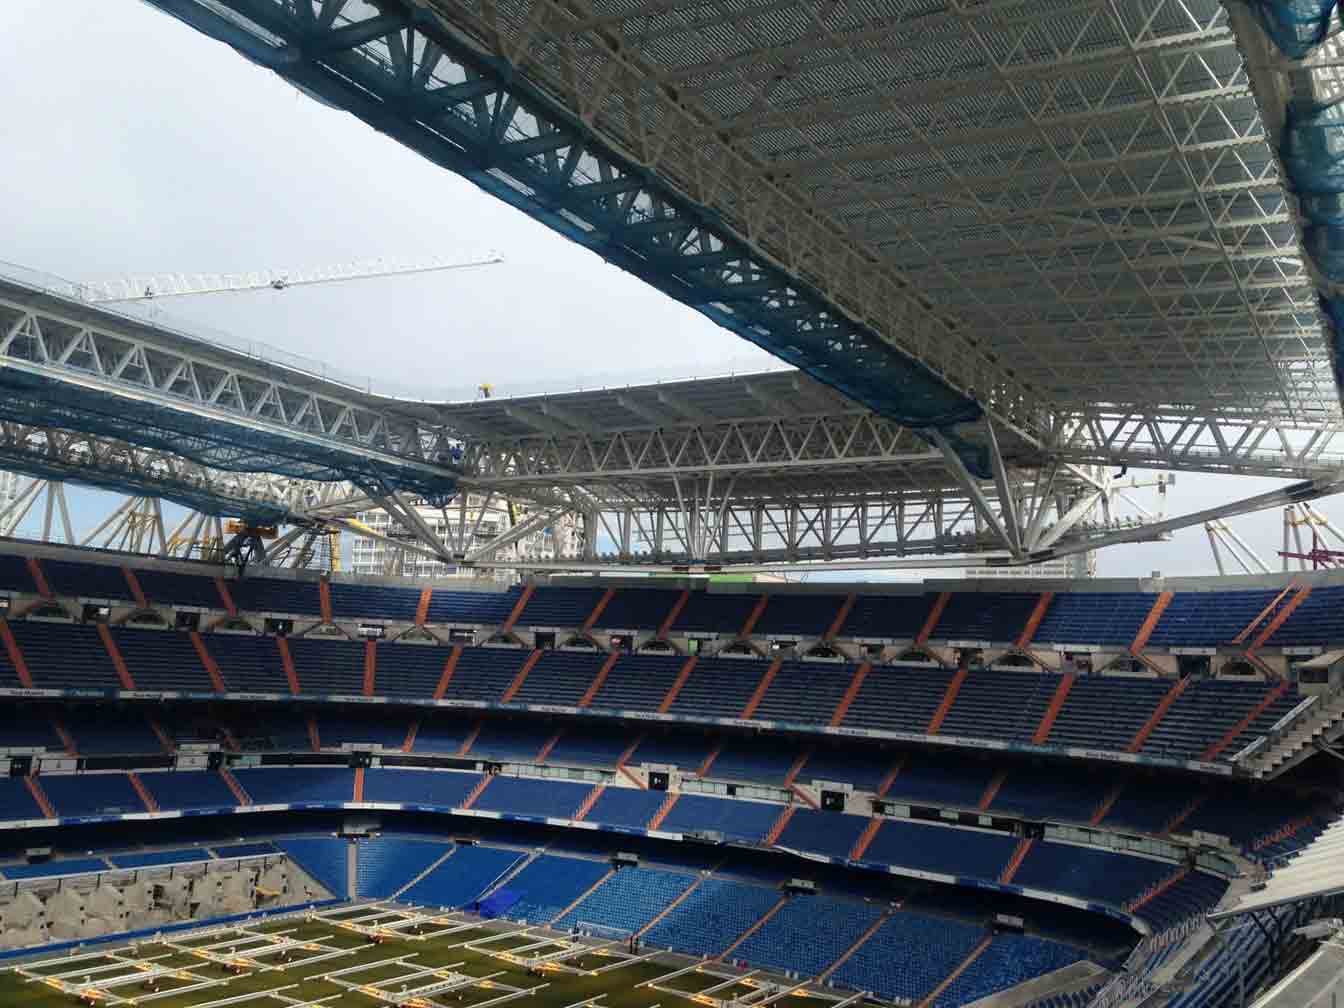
x: 168, y: 285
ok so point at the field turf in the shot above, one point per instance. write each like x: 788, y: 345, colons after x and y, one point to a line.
x: 564, y: 989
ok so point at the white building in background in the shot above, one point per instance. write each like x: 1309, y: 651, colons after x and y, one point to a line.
x: 488, y: 517
x: 1077, y: 565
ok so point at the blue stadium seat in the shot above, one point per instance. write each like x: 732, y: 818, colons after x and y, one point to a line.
x: 183, y: 789
x: 533, y: 796
x: 897, y: 616
x: 513, y: 741
x: 805, y: 692
x: 437, y: 788
x: 16, y: 802
x: 590, y: 745
x: 737, y: 820
x: 468, y: 873
x: 999, y: 617
x: 638, y: 608
x: 244, y: 849
x: 807, y: 934
x: 295, y: 785
x: 560, y: 678
x: 550, y: 884
x: 276, y: 595
x: 470, y: 607
x: 65, y: 656
x: 86, y: 580
x: 373, y: 602
x: 484, y: 673
x: 628, y: 900
x: 638, y: 682
x: 324, y: 858
x: 91, y: 794
x: 1009, y: 960
x: 765, y: 761
x: 800, y: 614
x: 711, y: 612
x: 64, y: 866
x: 959, y: 852
x: 247, y: 663
x: 712, y: 917
x: 408, y: 669
x: 1106, y: 712
x: 14, y: 575
x: 909, y: 956
x: 898, y: 698
x: 150, y: 859
x: 830, y: 833
x: 1000, y: 704
x: 941, y: 779
x: 1094, y: 618
x: 362, y: 726
x: 162, y: 660
x: 719, y: 687
x: 328, y: 665
x: 384, y: 864
x: 559, y: 607
x: 627, y: 807
x: 173, y: 588
x: 1102, y: 876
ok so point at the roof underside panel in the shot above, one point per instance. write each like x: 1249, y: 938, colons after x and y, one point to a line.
x: 468, y: 113
x: 1034, y: 204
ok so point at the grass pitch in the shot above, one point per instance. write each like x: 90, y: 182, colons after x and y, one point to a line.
x: 304, y: 961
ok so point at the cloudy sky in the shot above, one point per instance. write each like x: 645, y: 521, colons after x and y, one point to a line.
x: 137, y: 146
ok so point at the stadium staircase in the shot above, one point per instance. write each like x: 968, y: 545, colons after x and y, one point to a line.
x: 781, y: 823
x: 589, y: 802
x: 865, y: 839
x: 1279, y: 617
x: 671, y: 696
x: 1051, y: 714
x: 680, y: 899
x: 40, y: 797
x: 1150, y: 622
x: 1320, y: 724
x: 1015, y: 862
x: 846, y: 701
x: 1156, y: 891
x: 583, y: 896
x: 15, y: 655
x: 949, y: 698
x: 476, y: 792
x: 848, y: 954
x: 1107, y: 803
x: 142, y: 792
x: 1154, y: 719
x: 433, y: 866
x: 760, y: 923
x: 961, y: 968
x: 235, y: 787
x: 663, y: 811
x: 1275, y: 694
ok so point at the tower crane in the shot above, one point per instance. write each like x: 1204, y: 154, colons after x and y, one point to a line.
x: 167, y: 285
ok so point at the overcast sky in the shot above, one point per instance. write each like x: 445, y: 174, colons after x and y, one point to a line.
x: 136, y: 145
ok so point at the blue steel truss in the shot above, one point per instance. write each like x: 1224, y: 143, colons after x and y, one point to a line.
x: 468, y: 112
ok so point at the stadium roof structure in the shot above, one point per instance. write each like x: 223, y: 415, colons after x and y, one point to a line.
x: 1316, y: 871
x: 1005, y: 242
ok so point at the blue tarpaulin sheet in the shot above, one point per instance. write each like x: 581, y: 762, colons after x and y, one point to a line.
x: 499, y: 902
